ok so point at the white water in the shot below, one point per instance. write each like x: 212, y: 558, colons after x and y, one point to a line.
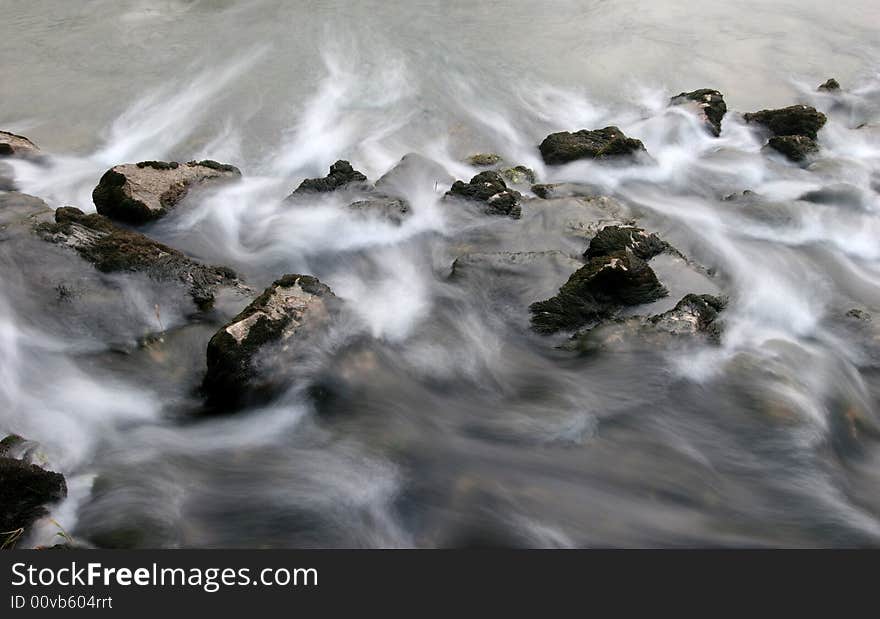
x: 460, y: 425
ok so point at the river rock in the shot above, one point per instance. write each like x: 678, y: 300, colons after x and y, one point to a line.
x: 394, y: 210
x: 287, y: 310
x: 829, y: 85
x: 793, y: 120
x: 518, y: 175
x: 484, y: 160
x: 708, y: 103
x: 25, y: 490
x: 611, y: 239
x: 12, y: 145
x: 596, y: 290
x: 136, y: 193
x: 341, y: 174
x: 113, y: 249
x: 490, y: 189
x: 794, y: 147
x: 610, y: 142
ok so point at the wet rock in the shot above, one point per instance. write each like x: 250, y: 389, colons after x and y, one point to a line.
x: 857, y: 314
x: 518, y: 175
x: 484, y: 160
x: 709, y: 103
x: 411, y: 172
x: 12, y: 145
x: 610, y: 142
x: 341, y: 175
x: 394, y: 210
x: 829, y: 85
x: 794, y: 120
x: 612, y: 239
x: 490, y: 189
x: 25, y: 490
x: 596, y: 290
x: 794, y: 147
x: 113, y: 249
x: 545, y: 191
x: 136, y: 193
x: 695, y: 315
x: 287, y: 310
x: 841, y: 194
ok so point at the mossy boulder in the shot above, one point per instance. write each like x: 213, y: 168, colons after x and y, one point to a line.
x: 113, y: 249
x: 489, y: 189
x: 709, y: 104
x: 288, y: 309
x: 596, y: 291
x: 12, y: 145
x: 341, y: 174
x: 25, y: 490
x: 795, y: 147
x: 607, y: 143
x: 793, y: 120
x: 611, y: 239
x: 136, y: 193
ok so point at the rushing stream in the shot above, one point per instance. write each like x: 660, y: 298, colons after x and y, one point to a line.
x: 452, y: 422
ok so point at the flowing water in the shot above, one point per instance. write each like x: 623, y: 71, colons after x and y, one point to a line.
x: 455, y: 424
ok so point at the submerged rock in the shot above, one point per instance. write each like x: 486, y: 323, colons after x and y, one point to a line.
x: 341, y: 174
x: 113, y: 249
x: 484, y: 160
x: 709, y: 103
x: 394, y: 210
x: 595, y: 291
x: 616, y: 238
x: 610, y: 142
x: 794, y: 147
x: 695, y: 315
x: 25, y: 490
x: 793, y: 120
x: 288, y: 309
x: 489, y: 188
x: 136, y: 193
x: 12, y: 145
x: 829, y: 85
x: 411, y: 172
x: 518, y: 175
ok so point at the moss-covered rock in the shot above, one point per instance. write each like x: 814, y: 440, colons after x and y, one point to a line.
x: 341, y: 174
x: 793, y: 120
x: 709, y: 104
x: 288, y: 308
x: 113, y: 249
x: 611, y: 239
x: 610, y: 142
x: 596, y: 290
x: 518, y: 175
x: 136, y: 193
x: 12, y: 145
x: 490, y: 189
x: 484, y: 160
x: 795, y: 147
x: 25, y: 490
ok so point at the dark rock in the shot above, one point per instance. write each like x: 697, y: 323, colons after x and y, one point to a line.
x: 610, y: 142
x: 695, y: 313
x: 136, y: 193
x: 12, y: 145
x: 289, y: 308
x: 484, y: 160
x: 113, y: 249
x: 858, y: 314
x: 341, y: 174
x: 710, y: 104
x: 794, y: 147
x: 489, y: 188
x: 395, y: 210
x: 544, y: 191
x: 595, y: 291
x: 829, y: 85
x: 25, y: 489
x: 612, y: 239
x: 518, y: 175
x: 794, y: 120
